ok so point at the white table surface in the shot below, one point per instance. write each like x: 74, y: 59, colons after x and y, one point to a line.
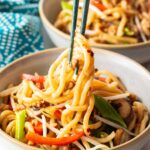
x: 6, y: 145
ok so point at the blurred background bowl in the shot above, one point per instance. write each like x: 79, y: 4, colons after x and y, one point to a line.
x: 133, y: 75
x: 49, y: 10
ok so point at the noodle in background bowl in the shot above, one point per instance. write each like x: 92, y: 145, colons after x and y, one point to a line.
x: 49, y: 10
x: 133, y: 75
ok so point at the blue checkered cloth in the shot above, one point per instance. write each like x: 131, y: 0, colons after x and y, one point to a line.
x: 19, y: 29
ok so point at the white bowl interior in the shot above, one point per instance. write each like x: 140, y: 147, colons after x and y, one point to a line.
x: 135, y: 77
x: 50, y: 11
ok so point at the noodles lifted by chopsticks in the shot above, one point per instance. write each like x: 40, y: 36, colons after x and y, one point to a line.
x: 92, y: 111
x: 111, y: 22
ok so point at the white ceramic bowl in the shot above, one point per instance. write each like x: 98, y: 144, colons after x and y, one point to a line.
x: 49, y: 10
x: 133, y: 75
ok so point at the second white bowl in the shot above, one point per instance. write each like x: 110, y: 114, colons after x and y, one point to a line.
x: 49, y: 10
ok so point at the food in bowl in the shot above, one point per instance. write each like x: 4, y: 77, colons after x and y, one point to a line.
x: 110, y: 22
x: 74, y: 106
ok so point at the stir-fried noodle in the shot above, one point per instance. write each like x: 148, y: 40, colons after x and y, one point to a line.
x: 88, y: 110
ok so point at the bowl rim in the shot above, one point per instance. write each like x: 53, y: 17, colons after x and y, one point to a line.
x: 146, y: 132
x: 98, y: 45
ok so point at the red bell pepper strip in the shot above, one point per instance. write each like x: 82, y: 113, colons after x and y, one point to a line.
x: 39, y: 85
x: 38, y: 139
x: 97, y: 4
x: 102, y: 79
x: 57, y: 114
x: 39, y: 79
x: 38, y: 128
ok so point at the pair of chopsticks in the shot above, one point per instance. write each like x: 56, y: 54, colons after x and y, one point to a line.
x: 74, y: 22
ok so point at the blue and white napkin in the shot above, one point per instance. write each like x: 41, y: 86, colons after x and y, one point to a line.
x: 19, y: 29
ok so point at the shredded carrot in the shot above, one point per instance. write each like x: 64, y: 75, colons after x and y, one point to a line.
x: 36, y: 138
x: 97, y: 4
x: 39, y: 79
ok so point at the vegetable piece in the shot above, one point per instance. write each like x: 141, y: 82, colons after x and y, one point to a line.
x: 38, y: 127
x: 121, y: 137
x: 124, y: 107
x: 113, y: 124
x: 54, y: 141
x: 107, y: 111
x: 66, y: 5
x: 97, y: 4
x: 39, y: 79
x: 39, y: 85
x: 127, y: 31
x: 44, y: 126
x: 138, y: 24
x: 57, y: 114
x: 20, y: 123
x: 103, y: 134
x: 98, y: 132
x: 102, y: 79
